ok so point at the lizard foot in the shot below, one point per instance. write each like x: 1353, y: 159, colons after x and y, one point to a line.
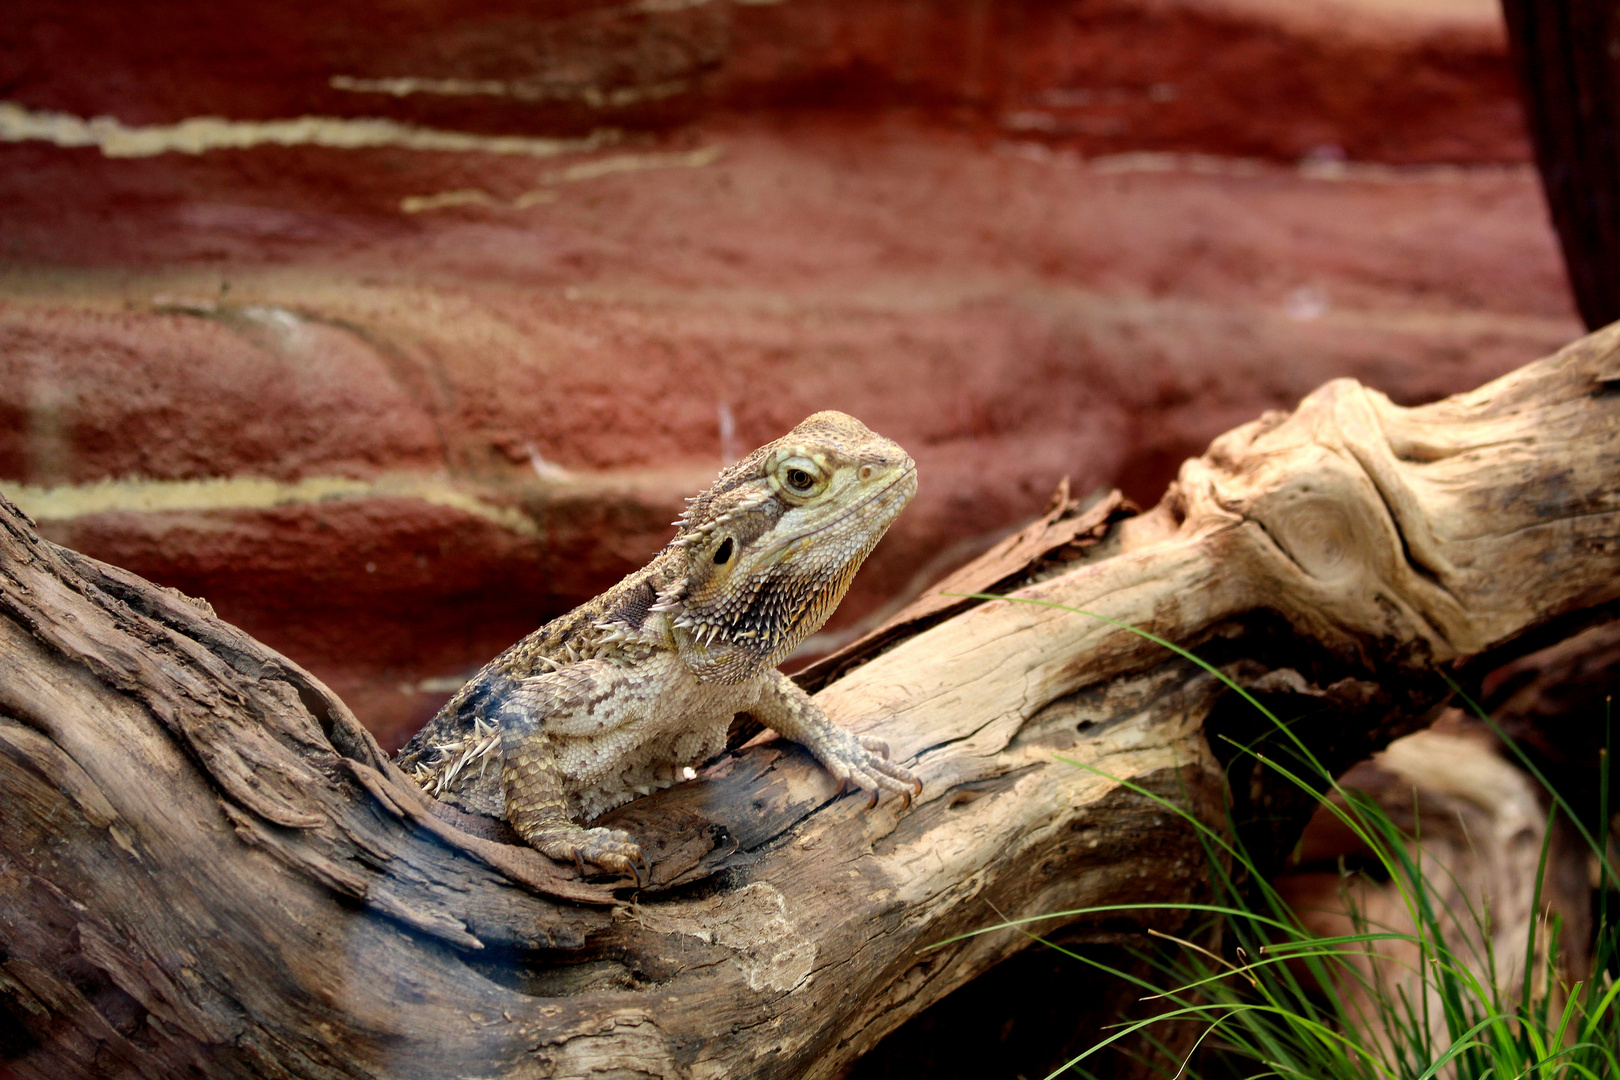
x: 864, y: 762
x: 608, y: 849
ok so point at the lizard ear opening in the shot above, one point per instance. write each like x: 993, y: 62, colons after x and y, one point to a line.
x: 722, y: 554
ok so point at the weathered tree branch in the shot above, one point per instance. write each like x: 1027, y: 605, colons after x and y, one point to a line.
x: 209, y: 867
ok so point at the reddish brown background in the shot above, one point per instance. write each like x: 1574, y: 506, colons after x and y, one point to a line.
x: 943, y: 217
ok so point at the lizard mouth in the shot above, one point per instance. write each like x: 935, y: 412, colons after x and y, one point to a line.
x: 882, y: 493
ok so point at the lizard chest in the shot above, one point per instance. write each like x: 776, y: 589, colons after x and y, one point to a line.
x: 660, y: 722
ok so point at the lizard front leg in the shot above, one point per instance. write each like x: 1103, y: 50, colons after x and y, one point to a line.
x: 860, y: 759
x: 536, y: 803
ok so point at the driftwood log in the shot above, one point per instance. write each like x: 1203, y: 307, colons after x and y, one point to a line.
x: 207, y: 867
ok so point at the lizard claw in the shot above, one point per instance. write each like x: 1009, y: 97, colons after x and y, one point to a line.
x: 874, y: 744
x: 862, y: 761
x: 592, y: 850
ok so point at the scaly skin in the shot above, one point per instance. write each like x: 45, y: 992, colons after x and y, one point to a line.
x: 617, y: 697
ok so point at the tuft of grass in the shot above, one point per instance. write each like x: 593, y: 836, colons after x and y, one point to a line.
x: 1279, y: 1000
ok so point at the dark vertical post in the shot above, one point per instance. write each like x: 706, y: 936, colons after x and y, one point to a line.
x: 1568, y: 56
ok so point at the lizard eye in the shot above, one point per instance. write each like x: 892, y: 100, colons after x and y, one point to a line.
x: 722, y: 554
x: 798, y: 477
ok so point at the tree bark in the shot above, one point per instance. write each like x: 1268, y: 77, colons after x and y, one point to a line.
x: 1568, y: 56
x: 208, y: 867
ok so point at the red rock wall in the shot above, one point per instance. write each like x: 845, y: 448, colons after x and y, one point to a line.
x: 388, y: 408
x: 1266, y: 77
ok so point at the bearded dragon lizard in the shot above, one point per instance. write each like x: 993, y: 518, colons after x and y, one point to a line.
x: 626, y: 693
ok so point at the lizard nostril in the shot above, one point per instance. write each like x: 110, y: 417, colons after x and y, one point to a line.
x: 866, y: 472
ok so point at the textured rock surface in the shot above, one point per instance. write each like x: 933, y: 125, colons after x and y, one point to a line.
x: 389, y: 408
x: 1271, y: 77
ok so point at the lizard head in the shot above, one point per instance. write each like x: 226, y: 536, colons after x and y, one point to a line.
x: 765, y: 554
